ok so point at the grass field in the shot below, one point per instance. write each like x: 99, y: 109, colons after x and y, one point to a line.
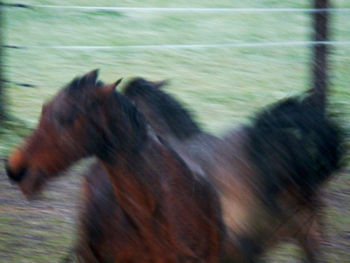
x: 224, y: 86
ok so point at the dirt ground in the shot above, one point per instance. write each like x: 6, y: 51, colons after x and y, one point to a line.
x: 43, y: 230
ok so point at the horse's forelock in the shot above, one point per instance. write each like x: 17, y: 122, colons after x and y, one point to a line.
x: 99, y: 84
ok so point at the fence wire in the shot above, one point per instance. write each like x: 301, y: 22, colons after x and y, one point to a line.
x: 185, y: 46
x: 180, y: 9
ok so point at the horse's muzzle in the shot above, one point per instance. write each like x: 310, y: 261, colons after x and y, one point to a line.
x: 15, y: 176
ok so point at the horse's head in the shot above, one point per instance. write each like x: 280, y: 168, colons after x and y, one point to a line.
x: 69, y: 129
x: 165, y: 114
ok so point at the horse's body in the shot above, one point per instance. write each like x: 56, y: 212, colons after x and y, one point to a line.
x: 267, y: 177
x: 252, y: 226
x: 153, y: 208
x: 245, y: 185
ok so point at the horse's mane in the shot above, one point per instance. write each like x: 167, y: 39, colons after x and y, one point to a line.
x: 178, y: 118
x: 137, y: 120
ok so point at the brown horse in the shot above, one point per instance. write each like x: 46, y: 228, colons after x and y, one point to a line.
x: 166, y: 212
x: 234, y: 170
x: 268, y: 174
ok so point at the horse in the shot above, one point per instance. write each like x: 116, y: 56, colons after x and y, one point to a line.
x: 236, y: 172
x: 166, y: 212
x: 268, y: 174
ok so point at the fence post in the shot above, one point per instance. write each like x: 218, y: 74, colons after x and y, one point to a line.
x: 2, y: 84
x: 320, y: 52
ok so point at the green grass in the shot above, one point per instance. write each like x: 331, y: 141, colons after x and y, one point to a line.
x: 224, y: 86
x: 42, y: 244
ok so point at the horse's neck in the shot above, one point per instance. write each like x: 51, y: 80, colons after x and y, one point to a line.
x: 135, y: 181
x: 161, y: 128
x: 143, y: 185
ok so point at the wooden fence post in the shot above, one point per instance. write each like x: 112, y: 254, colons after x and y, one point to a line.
x: 320, y: 52
x: 3, y: 114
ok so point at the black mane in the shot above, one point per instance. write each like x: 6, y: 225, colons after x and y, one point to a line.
x: 132, y: 137
x: 178, y: 119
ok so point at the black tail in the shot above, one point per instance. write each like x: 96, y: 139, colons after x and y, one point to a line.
x: 293, y: 143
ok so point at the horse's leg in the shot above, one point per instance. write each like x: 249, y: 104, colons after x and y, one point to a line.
x: 70, y: 257
x: 311, y: 235
x: 311, y: 243
x: 245, y: 260
x: 83, y: 250
x: 84, y: 254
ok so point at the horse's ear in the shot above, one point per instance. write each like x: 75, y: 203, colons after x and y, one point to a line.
x: 160, y: 84
x: 108, y: 89
x: 90, y: 78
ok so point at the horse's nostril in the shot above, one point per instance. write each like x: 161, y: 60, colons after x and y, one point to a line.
x: 15, y: 176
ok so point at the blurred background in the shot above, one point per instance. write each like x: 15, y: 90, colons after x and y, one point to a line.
x: 223, y: 85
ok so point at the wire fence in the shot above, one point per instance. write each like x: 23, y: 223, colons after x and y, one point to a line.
x: 317, y: 10
x: 187, y: 46
x: 180, y: 10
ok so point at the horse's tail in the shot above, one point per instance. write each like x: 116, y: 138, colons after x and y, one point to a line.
x: 295, y: 143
